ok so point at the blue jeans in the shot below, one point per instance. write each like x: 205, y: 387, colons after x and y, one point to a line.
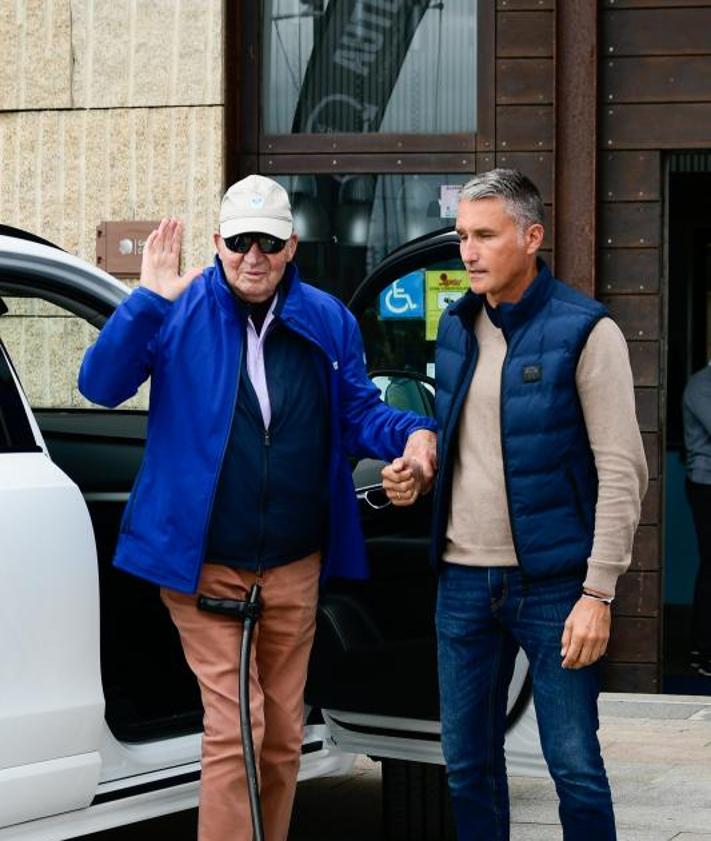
x: 483, y: 616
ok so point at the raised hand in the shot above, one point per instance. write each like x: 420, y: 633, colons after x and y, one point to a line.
x: 161, y: 260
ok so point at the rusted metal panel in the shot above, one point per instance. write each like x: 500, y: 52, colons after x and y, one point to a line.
x: 630, y: 176
x: 645, y: 551
x: 349, y: 163
x: 522, y: 81
x: 637, y: 594
x: 638, y: 316
x: 646, y: 400
x: 630, y: 677
x: 634, y: 639
x: 662, y: 126
x: 633, y: 270
x: 644, y: 359
x: 630, y: 224
x: 666, y: 79
x: 524, y: 128
x: 661, y: 31
x: 537, y: 166
x: 651, y: 503
x: 524, y: 34
x: 575, y: 142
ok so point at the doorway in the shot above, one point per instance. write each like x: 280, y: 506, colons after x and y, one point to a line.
x: 688, y: 351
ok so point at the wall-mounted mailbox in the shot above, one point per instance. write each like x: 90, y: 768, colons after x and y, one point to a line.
x: 119, y: 246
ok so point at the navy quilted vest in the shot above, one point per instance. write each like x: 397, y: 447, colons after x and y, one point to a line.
x: 551, y: 481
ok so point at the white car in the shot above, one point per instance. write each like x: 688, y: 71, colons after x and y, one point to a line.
x: 100, y: 718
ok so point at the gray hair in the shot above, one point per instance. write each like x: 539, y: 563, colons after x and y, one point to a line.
x: 521, y: 197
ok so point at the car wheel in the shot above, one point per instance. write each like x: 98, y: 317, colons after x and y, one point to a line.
x: 416, y: 804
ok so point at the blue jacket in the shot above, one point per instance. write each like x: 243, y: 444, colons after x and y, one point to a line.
x: 191, y: 349
x: 549, y: 469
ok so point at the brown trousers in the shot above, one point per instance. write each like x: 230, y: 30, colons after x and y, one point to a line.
x: 280, y: 653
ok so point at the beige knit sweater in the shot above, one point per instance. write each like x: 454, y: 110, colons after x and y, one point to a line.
x: 480, y: 534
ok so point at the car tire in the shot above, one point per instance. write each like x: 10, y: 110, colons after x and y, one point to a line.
x: 416, y: 805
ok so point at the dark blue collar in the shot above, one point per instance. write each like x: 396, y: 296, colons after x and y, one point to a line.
x: 509, y: 316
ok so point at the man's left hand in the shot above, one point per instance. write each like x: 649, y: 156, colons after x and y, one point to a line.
x: 412, y: 474
x: 586, y: 633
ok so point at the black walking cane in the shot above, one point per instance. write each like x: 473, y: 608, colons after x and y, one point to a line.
x: 246, y: 612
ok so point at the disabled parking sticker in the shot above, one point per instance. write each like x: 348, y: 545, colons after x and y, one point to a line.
x: 404, y: 298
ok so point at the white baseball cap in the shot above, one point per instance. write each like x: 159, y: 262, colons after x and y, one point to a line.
x: 256, y: 205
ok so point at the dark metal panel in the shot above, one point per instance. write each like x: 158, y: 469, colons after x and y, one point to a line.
x: 647, y: 403
x: 651, y: 451
x: 637, y: 315
x: 637, y: 594
x: 630, y: 176
x: 645, y: 551
x: 295, y: 164
x: 524, y: 128
x: 634, y: 270
x: 486, y: 76
x: 537, y: 166
x: 644, y: 359
x: 630, y: 225
x: 325, y: 144
x: 661, y: 31
x: 666, y: 79
x: 521, y: 81
x: 634, y: 640
x: 575, y: 142
x: 651, y: 504
x: 663, y: 126
x: 653, y: 4
x: 524, y: 34
x: 630, y: 677
x: 509, y: 5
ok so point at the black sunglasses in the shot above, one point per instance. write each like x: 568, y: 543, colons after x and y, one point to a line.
x: 266, y: 243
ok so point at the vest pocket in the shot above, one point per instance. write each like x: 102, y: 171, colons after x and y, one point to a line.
x: 579, y: 507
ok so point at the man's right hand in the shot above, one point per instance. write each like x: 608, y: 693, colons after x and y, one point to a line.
x: 161, y: 258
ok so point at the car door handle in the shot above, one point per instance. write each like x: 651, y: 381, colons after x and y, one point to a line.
x: 375, y: 497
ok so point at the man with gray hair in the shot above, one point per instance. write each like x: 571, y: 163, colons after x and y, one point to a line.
x: 541, y: 476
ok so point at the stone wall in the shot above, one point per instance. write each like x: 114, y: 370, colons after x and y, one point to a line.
x: 109, y: 110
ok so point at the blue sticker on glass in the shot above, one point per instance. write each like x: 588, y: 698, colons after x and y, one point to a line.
x: 405, y: 297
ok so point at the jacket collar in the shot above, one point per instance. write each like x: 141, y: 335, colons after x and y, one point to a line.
x: 289, y: 292
x: 510, y: 316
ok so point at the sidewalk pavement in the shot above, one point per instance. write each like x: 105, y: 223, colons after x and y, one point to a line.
x: 657, y: 751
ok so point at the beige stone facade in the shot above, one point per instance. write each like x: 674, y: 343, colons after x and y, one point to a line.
x: 109, y: 110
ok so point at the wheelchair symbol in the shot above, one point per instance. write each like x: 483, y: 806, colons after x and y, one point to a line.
x: 398, y: 300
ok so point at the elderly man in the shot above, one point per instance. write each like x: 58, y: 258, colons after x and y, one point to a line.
x: 538, y: 496
x: 258, y: 396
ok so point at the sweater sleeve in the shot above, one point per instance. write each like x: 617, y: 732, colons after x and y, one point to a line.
x: 605, y: 385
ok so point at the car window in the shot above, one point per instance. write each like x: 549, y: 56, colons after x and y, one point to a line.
x: 15, y: 431
x: 47, y: 344
x: 399, y: 322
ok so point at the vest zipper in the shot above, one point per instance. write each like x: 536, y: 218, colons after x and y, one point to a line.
x: 524, y: 576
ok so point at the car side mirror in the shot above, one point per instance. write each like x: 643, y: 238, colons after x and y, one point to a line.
x: 406, y: 390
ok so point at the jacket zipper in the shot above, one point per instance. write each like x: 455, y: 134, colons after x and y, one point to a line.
x: 218, y: 472
x: 264, y: 496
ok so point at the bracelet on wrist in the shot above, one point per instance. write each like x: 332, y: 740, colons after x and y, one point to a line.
x: 608, y: 600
